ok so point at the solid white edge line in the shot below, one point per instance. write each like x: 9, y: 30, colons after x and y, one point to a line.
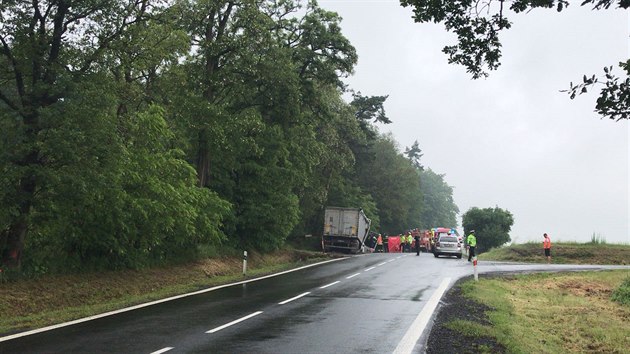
x: 353, y: 275
x: 163, y: 350
x: 331, y: 284
x: 235, y: 322
x: 420, y: 323
x: 293, y: 298
x: 369, y: 269
x: 380, y: 264
x: 90, y: 318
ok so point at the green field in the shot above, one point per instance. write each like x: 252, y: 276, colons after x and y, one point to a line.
x: 562, y: 253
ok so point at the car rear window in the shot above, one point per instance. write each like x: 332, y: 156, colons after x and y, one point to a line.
x: 448, y: 239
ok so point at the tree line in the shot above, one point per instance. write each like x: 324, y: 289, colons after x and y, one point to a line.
x: 139, y: 132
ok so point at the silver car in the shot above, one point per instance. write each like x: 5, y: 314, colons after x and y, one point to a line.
x: 448, y: 245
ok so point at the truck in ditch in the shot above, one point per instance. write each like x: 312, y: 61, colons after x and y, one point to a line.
x: 345, y: 230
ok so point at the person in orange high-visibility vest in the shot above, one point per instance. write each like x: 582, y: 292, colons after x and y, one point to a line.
x: 379, y: 243
x: 547, y: 247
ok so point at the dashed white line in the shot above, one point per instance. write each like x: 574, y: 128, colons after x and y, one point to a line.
x: 391, y: 260
x: 398, y: 257
x: 163, y: 350
x: 353, y: 275
x: 367, y: 270
x: 380, y: 264
x: 234, y: 322
x: 293, y: 298
x: 331, y: 284
x: 419, y: 324
x: 111, y: 313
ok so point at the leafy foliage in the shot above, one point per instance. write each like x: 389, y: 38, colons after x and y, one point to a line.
x: 614, y: 97
x: 439, y: 208
x: 622, y: 293
x: 478, y: 25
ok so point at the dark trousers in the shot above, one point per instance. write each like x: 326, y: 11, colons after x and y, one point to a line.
x: 471, y: 252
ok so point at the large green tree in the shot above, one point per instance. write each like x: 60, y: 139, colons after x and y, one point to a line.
x: 439, y: 208
x: 492, y: 226
x: 478, y: 25
x: 90, y: 173
x: 46, y: 48
x: 394, y: 184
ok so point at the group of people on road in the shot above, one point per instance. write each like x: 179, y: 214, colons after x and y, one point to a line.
x: 407, y: 241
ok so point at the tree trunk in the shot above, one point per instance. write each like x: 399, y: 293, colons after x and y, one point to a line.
x: 203, y: 158
x: 15, y: 235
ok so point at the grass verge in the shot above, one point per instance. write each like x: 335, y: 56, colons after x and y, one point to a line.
x: 562, y: 253
x: 41, y: 302
x: 551, y: 312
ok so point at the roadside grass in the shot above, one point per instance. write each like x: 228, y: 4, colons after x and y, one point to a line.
x: 36, y: 303
x: 552, y: 312
x: 562, y: 253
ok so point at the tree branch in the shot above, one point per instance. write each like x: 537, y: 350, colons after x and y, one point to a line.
x: 19, y: 80
x: 10, y: 103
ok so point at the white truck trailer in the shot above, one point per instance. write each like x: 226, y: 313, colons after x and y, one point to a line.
x: 345, y: 229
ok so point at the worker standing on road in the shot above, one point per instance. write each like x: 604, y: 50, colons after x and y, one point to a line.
x: 403, y: 242
x: 379, y: 243
x: 471, y: 240
x: 386, y: 244
x: 409, y: 241
x: 417, y: 238
x: 547, y: 247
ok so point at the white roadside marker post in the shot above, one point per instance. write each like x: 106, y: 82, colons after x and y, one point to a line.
x: 475, y: 268
x: 244, y: 262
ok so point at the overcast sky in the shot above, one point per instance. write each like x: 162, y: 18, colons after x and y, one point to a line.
x: 511, y: 140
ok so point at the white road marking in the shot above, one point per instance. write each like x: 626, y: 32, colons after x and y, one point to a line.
x: 85, y: 319
x: 163, y: 350
x: 353, y: 275
x: 420, y: 323
x: 380, y: 264
x: 398, y: 257
x: 293, y: 298
x: 331, y: 284
x: 391, y: 260
x: 369, y: 269
x: 234, y: 322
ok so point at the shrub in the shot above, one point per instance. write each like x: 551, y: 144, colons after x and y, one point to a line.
x: 622, y: 293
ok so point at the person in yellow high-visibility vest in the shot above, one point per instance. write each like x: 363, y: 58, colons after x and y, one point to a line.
x: 409, y: 241
x: 471, y: 240
x: 403, y: 241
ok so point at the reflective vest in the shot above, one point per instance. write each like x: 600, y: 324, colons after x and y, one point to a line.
x: 471, y: 240
x: 409, y: 239
x: 547, y: 243
x: 379, y: 240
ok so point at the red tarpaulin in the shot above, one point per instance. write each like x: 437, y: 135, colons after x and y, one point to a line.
x: 393, y: 244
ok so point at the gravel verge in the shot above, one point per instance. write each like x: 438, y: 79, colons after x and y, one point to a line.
x: 454, y: 305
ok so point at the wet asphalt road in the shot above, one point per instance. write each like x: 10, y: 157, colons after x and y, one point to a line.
x: 373, y: 303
